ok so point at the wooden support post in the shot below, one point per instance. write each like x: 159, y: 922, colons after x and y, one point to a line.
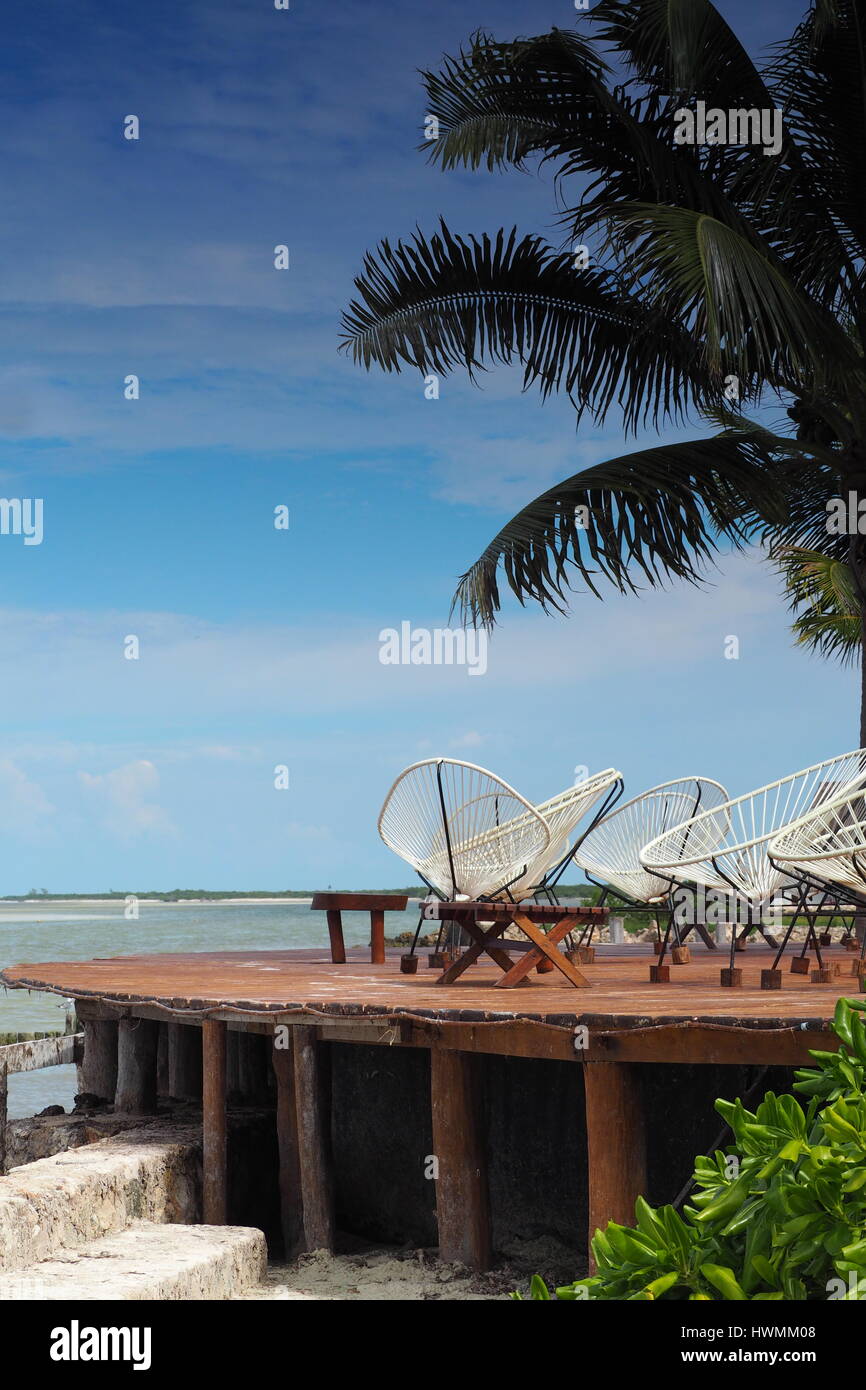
x: 3, y: 1108
x: 213, y: 1117
x: 135, y: 1093
x: 377, y: 936
x: 616, y: 1144
x: 233, y: 1068
x: 313, y: 1110
x: 184, y: 1062
x: 462, y: 1203
x: 162, y: 1060
x: 291, y: 1207
x: 98, y: 1071
x: 252, y: 1067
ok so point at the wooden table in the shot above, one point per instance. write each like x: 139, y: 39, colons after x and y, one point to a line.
x: 528, y: 917
x: 377, y: 904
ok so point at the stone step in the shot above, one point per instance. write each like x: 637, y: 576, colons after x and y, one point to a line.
x: 78, y: 1196
x: 147, y: 1261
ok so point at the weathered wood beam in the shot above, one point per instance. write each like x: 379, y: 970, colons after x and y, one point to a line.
x: 137, y: 1040
x: 616, y: 1143
x: 312, y: 1067
x: 213, y: 1113
x: 462, y: 1202
x: 42, y: 1052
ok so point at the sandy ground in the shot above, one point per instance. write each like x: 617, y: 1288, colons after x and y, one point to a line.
x: 383, y: 1276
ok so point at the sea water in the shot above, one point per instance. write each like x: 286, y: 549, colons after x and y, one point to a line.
x: 29, y: 932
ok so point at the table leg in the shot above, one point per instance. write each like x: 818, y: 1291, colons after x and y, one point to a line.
x: 481, y: 943
x: 543, y: 941
x: 377, y: 936
x: 534, y: 957
x: 335, y: 932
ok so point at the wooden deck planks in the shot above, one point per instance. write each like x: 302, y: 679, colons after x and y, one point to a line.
x: 268, y: 982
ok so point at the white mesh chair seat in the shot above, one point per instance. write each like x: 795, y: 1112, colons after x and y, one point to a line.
x: 827, y: 844
x: 464, y: 830
x: 612, y: 849
x: 726, y: 847
x: 563, y: 814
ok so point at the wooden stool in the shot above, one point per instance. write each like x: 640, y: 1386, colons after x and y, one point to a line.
x: 377, y: 904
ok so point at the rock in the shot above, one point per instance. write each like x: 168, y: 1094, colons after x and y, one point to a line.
x: 51, y: 1110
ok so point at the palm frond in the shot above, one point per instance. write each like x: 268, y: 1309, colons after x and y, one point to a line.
x: 753, y: 320
x: 454, y: 302
x: 681, y: 46
x: 497, y: 103
x: 823, y: 597
x: 645, y: 517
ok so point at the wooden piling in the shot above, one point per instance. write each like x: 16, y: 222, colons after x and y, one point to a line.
x: 162, y: 1061
x: 3, y: 1109
x: 291, y: 1206
x: 616, y: 1143
x: 462, y: 1202
x: 135, y: 1093
x: 98, y: 1070
x: 184, y: 1062
x: 253, y: 1068
x: 313, y: 1110
x: 213, y: 1117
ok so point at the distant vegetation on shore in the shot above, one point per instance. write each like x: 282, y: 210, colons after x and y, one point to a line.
x: 179, y: 895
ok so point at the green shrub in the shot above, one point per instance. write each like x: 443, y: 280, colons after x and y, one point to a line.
x: 780, y: 1215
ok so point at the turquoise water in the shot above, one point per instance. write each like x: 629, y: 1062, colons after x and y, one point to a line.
x: 29, y: 933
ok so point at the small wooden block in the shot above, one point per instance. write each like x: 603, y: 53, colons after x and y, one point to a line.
x: 731, y: 978
x: 800, y: 965
x: 408, y: 965
x: 657, y: 948
x: 680, y: 955
x: 825, y: 939
x: 740, y: 943
x: 771, y: 979
x: 821, y: 977
x: 660, y: 974
x: 851, y: 943
x: 856, y: 968
x: 585, y: 955
x: 835, y: 969
x: 436, y: 960
x: 544, y: 967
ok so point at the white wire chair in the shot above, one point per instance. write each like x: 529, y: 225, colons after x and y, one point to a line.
x: 465, y: 832
x: 564, y: 813
x: 828, y: 845
x: 612, y: 849
x: 726, y: 848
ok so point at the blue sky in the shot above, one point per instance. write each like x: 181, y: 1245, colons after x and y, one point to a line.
x: 260, y: 647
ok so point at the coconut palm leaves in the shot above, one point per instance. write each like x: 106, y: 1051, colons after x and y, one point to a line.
x: 824, y: 597
x: 716, y: 274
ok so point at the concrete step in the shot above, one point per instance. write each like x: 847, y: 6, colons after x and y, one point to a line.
x: 147, y: 1261
x: 78, y: 1196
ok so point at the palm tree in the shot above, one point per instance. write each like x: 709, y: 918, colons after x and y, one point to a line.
x: 714, y: 279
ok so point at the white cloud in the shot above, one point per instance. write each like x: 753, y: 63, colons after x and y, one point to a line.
x: 125, y: 796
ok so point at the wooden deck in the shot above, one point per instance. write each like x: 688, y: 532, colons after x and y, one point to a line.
x: 623, y: 1013
x: 608, y: 1031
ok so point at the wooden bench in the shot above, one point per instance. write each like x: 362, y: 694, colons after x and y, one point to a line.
x: 377, y: 904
